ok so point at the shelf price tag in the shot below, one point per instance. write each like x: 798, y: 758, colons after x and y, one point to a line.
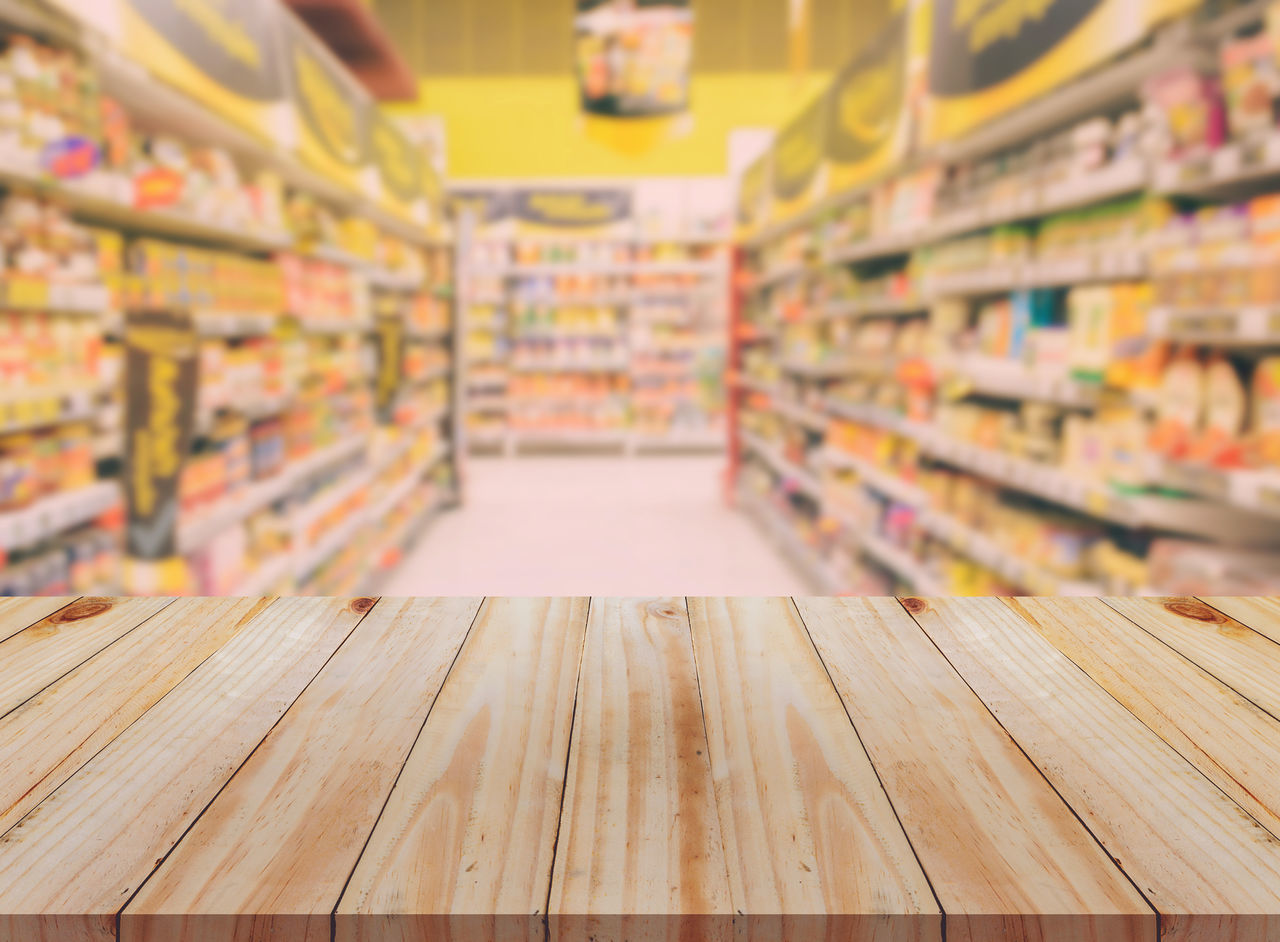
x: 161, y: 379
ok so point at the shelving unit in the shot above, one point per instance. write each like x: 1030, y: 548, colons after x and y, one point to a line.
x: 401, y: 259
x: 610, y: 347
x: 858, y: 352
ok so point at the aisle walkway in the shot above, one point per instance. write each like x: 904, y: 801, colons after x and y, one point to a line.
x: 594, y: 526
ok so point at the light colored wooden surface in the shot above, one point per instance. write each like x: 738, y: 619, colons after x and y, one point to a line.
x: 639, y: 833
x: 1170, y: 829
x: 608, y: 769
x: 272, y: 853
x: 465, y: 846
x: 1003, y: 852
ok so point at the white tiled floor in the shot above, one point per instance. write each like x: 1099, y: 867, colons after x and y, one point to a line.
x: 594, y: 526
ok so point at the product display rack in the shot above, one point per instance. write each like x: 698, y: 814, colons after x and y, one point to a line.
x: 270, y: 500
x: 612, y: 347
x: 892, y: 436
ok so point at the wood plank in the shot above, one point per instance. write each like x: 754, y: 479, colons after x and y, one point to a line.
x: 251, y: 868
x: 17, y: 614
x: 1228, y: 738
x: 68, y: 867
x: 49, y: 736
x: 464, y: 848
x: 1260, y: 614
x: 814, y: 849
x: 1003, y: 852
x: 37, y: 656
x: 1192, y: 851
x: 639, y: 854
x: 1244, y: 660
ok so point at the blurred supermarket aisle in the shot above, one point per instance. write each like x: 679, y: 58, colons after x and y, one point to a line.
x: 602, y: 526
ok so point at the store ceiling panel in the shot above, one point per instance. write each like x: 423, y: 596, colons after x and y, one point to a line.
x: 535, y: 37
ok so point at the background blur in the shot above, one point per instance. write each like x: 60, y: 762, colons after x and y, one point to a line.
x: 618, y: 297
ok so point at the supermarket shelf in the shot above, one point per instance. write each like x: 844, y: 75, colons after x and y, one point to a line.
x: 558, y: 301
x: 1009, y: 379
x: 871, y: 307
x: 23, y: 409
x: 568, y: 440
x: 383, y: 280
x: 835, y: 369
x: 1230, y: 171
x: 798, y: 413
x: 780, y: 274
x: 1122, y: 178
x: 791, y: 473
x: 262, y: 494
x: 428, y: 333
x: 54, y: 298
x: 1244, y: 326
x: 95, y: 205
x: 430, y: 376
x: 598, y: 366
x: 869, y: 414
x: 874, y: 247
x: 604, y: 268
x: 231, y: 324
x: 267, y: 576
x: 50, y: 516
x: 403, y: 488
x: 898, y: 561
x: 1009, y: 566
x: 885, y: 482
x: 1254, y: 491
x: 1044, y: 273
x: 334, y: 326
x: 306, y: 562
x: 802, y: 557
x: 1208, y: 519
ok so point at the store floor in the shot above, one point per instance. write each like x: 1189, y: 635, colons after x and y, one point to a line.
x: 594, y: 526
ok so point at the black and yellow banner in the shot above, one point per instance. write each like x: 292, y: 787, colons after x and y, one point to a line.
x: 389, y: 326
x: 220, y: 52
x: 577, y: 209
x: 868, y: 111
x: 399, y: 162
x: 334, y: 111
x: 753, y: 196
x: 799, y: 160
x: 161, y: 378
x: 988, y: 57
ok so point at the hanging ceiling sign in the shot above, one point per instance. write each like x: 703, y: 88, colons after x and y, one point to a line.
x: 400, y: 165
x: 220, y: 52
x: 868, y: 113
x: 333, y: 109
x: 582, y: 210
x: 987, y: 57
x: 754, y: 196
x: 634, y: 56
x: 799, y: 153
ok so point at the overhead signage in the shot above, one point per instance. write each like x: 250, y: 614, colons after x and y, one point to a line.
x: 161, y: 378
x: 220, y: 52
x: 399, y: 163
x: 988, y: 57
x: 868, y: 112
x: 333, y: 109
x: 799, y: 159
x: 634, y: 58
x: 578, y: 209
x: 753, y: 196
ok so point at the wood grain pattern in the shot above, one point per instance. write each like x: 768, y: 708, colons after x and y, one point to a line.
x: 37, y: 656
x: 17, y: 614
x: 251, y: 866
x: 1002, y: 851
x: 1228, y: 738
x: 1191, y: 850
x: 1240, y: 657
x: 1260, y: 614
x: 464, y: 848
x: 69, y: 866
x: 639, y: 854
x: 49, y: 736
x: 807, y: 829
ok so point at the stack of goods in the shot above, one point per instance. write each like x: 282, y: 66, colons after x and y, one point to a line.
x: 321, y: 292
x: 166, y: 274
x: 573, y: 252
x: 573, y: 402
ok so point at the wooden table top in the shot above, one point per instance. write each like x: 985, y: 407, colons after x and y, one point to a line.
x: 592, y: 769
